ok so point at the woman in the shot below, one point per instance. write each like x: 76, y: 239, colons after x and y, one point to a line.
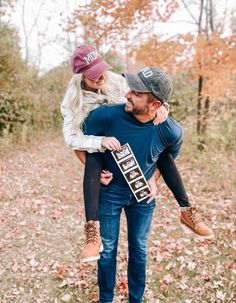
x: 93, y: 85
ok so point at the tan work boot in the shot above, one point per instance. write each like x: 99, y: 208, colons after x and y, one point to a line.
x: 93, y: 243
x: 191, y: 223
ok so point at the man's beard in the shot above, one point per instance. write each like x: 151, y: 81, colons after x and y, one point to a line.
x: 135, y: 111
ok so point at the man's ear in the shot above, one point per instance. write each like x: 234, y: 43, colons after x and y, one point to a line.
x: 156, y: 104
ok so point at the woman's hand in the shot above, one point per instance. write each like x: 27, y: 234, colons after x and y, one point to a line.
x: 162, y: 113
x: 111, y: 143
x: 106, y: 177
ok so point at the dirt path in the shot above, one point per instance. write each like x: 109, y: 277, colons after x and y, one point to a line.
x: 41, y: 227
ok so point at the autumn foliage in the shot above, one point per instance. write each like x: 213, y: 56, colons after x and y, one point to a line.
x: 112, y: 21
x: 127, y: 34
x: 41, y: 190
x: 216, y: 55
x: 131, y: 27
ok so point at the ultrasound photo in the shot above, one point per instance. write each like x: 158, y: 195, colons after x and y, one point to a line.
x: 123, y: 153
x: 142, y: 194
x: 133, y: 174
x: 127, y: 164
x: 129, y: 167
x: 138, y: 184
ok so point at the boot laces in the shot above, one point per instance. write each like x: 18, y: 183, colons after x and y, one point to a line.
x: 91, y: 233
x: 192, y: 212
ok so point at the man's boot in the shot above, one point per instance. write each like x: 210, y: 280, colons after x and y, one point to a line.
x: 93, y: 243
x: 191, y: 223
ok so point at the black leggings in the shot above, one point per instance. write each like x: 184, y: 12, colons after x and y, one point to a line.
x: 91, y: 185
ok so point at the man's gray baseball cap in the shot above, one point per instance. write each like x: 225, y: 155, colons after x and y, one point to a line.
x: 152, y: 80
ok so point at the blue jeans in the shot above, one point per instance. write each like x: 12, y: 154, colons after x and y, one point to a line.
x: 139, y: 217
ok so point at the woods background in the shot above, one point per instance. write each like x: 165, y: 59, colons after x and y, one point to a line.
x: 126, y: 32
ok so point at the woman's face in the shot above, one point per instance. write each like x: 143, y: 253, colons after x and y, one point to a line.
x: 94, y: 85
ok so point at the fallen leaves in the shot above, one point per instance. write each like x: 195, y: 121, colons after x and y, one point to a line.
x: 41, y: 224
x: 14, y: 267
x: 93, y: 297
x: 66, y: 298
x: 220, y: 295
x: 56, y: 214
x: 123, y: 286
x: 168, y: 279
x: 62, y: 272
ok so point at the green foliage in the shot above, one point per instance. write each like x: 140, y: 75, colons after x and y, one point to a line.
x: 12, y: 112
x: 10, y: 58
x: 220, y: 138
x: 15, y: 107
x: 183, y: 99
x: 221, y: 123
x: 28, y: 103
x: 222, y: 135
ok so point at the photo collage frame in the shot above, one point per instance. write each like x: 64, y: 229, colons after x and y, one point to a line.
x: 131, y: 170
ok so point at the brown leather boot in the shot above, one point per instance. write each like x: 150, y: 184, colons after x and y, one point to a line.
x: 93, y: 243
x: 191, y: 223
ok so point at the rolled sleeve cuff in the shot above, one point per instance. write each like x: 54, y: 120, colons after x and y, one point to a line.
x: 91, y: 144
x: 97, y: 144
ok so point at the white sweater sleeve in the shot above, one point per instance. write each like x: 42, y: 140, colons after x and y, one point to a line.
x: 76, y: 139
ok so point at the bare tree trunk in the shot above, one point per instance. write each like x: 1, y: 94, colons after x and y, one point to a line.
x: 199, y: 105
x: 211, y: 19
x: 207, y: 17
x: 206, y: 27
x: 205, y: 116
x: 68, y: 33
x: 200, y: 17
x: 209, y: 27
x: 26, y: 32
x: 200, y: 78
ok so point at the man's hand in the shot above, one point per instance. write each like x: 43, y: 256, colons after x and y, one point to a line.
x: 111, y: 143
x: 153, y: 185
x: 153, y: 193
x: 106, y: 177
x: 162, y: 113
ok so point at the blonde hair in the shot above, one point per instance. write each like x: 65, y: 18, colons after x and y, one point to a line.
x: 74, y: 99
x: 113, y: 90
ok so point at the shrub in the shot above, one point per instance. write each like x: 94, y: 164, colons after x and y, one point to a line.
x: 28, y: 103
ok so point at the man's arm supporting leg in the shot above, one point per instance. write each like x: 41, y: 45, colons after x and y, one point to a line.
x: 172, y: 178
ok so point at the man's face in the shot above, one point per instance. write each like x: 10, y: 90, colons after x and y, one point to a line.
x: 137, y: 103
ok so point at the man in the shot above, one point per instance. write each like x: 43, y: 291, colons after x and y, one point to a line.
x: 132, y: 123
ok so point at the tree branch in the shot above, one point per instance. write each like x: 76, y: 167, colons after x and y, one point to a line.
x: 178, y: 21
x: 36, y: 19
x: 200, y: 18
x: 190, y: 13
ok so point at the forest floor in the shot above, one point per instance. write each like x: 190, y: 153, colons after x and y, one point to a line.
x: 41, y: 232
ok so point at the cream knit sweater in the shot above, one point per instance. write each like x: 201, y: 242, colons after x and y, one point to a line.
x: 77, y: 105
